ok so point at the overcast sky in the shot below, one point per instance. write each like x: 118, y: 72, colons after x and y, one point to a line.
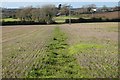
x: 74, y: 4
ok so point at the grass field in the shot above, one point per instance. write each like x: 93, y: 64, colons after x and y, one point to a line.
x: 10, y: 19
x: 61, y: 19
x: 86, y: 50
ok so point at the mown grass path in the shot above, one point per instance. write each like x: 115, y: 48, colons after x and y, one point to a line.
x: 57, y: 62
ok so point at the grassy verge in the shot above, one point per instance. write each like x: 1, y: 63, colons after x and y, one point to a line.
x: 57, y: 63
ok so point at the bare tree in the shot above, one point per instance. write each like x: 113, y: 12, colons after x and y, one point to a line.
x: 19, y: 15
x: 48, y: 12
x: 44, y: 14
x: 36, y: 15
x: 24, y: 14
x: 64, y: 10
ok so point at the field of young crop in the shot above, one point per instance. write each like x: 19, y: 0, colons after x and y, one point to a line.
x: 86, y: 50
x: 22, y: 48
x: 95, y: 45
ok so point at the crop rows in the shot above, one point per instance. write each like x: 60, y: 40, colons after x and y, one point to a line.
x: 87, y: 50
x: 96, y: 48
x: 20, y: 54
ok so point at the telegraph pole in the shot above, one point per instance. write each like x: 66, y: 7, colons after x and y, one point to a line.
x: 69, y: 7
x: 69, y: 15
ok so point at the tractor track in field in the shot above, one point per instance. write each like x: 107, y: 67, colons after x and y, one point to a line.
x: 8, y: 31
x: 38, y: 54
x: 22, y: 35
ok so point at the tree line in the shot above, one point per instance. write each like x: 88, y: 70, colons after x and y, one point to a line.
x: 47, y: 12
x: 42, y: 14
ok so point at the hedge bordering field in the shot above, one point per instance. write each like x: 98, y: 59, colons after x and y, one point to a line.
x: 24, y: 23
x: 81, y: 20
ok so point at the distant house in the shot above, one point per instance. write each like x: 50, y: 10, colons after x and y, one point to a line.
x: 94, y: 10
x: 58, y: 14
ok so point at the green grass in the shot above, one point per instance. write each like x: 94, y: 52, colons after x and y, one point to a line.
x: 58, y: 63
x: 61, y: 19
x: 66, y: 17
x: 83, y: 47
x: 10, y: 19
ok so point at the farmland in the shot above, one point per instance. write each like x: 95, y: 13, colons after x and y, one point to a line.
x: 86, y: 50
x: 108, y: 15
